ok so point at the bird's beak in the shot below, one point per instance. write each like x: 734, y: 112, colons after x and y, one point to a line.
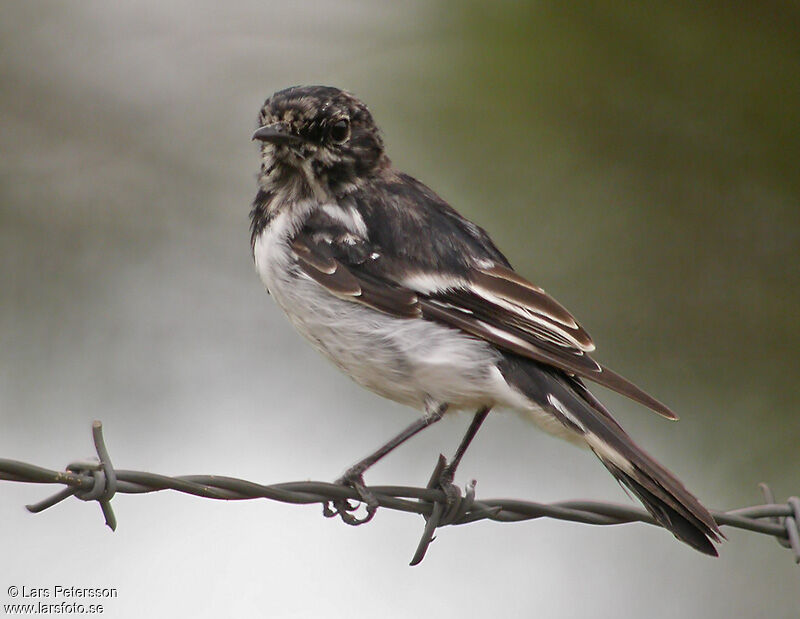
x: 277, y: 134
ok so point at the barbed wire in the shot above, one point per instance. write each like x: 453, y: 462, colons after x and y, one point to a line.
x: 97, y: 480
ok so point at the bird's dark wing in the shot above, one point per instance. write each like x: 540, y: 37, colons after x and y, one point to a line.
x: 489, y: 301
x: 316, y: 259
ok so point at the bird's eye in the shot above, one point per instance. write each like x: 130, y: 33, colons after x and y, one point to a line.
x: 340, y: 130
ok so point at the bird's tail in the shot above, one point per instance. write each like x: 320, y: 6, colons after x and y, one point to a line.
x: 582, y: 416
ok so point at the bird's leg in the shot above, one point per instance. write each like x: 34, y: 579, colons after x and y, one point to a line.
x: 354, y: 476
x: 449, y: 471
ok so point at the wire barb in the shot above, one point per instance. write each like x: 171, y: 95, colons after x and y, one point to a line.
x: 97, y: 480
x: 451, y: 510
x: 103, y: 483
x: 790, y: 523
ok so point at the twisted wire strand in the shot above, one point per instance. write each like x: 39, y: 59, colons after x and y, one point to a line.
x: 97, y: 480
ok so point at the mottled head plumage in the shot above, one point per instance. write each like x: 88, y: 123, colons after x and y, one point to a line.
x: 320, y: 132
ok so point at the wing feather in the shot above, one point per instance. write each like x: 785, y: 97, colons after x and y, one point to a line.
x: 316, y: 260
x: 530, y: 301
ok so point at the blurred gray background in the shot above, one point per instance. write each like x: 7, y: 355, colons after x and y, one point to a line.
x: 638, y: 160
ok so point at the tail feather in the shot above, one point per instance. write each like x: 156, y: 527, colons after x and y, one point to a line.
x: 662, y: 494
x: 682, y: 523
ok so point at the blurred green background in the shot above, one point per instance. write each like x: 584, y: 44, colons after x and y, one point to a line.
x: 640, y: 161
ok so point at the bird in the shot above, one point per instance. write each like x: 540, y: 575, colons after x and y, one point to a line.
x: 416, y: 303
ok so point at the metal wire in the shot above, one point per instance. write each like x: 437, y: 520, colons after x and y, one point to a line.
x: 97, y: 480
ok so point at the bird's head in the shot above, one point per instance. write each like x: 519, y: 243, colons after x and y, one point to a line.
x: 320, y: 134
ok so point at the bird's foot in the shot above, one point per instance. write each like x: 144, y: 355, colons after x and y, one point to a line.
x: 452, y: 509
x: 353, y: 478
x: 445, y: 483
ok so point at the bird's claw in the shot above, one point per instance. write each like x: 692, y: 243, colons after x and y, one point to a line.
x: 344, y: 508
x: 452, y: 509
x: 445, y: 483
